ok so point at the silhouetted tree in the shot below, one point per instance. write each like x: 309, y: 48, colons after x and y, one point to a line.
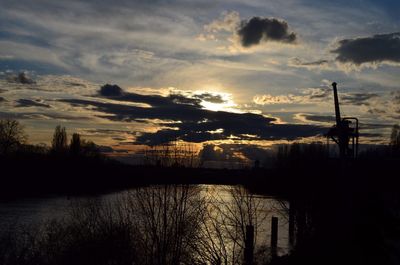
x: 89, y: 148
x: 395, y: 140
x: 12, y: 135
x: 75, y: 146
x: 59, y: 143
x: 171, y: 154
x: 301, y: 155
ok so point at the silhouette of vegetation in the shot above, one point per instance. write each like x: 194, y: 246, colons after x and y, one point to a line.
x: 12, y: 136
x: 298, y: 155
x: 59, y: 143
x: 341, y: 211
x: 223, y: 234
x: 151, y: 225
x: 171, y: 155
x: 395, y: 141
x: 75, y: 145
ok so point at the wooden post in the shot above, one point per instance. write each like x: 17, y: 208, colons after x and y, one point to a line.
x: 248, y: 246
x: 274, y: 237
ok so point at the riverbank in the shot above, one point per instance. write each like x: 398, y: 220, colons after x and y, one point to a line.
x: 68, y: 175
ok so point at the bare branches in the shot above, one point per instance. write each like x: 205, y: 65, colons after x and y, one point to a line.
x: 12, y: 135
x: 174, y: 154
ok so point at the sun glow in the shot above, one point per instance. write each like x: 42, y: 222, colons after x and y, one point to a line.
x: 218, y: 101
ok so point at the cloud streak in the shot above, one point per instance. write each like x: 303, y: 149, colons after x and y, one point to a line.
x: 31, y: 103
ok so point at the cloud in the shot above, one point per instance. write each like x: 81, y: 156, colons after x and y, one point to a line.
x: 318, y: 95
x: 318, y: 118
x: 296, y: 62
x: 308, y: 95
x: 228, y: 22
x: 2, y: 99
x: 209, y: 97
x: 110, y: 90
x: 268, y: 99
x: 31, y: 103
x: 234, y: 129
x: 247, y: 33
x: 21, y: 78
x: 331, y: 119
x: 358, y: 98
x: 157, y: 101
x: 39, y: 116
x: 258, y: 29
x: 395, y: 97
x: 188, y: 121
x: 382, y: 48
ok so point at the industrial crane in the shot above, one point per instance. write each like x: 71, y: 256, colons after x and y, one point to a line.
x: 345, y: 132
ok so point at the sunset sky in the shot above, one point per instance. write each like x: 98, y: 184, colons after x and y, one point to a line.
x: 237, y: 73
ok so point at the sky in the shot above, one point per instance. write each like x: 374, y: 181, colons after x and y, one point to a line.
x: 231, y: 74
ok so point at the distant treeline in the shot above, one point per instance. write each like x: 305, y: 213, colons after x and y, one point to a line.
x: 77, y: 165
x: 13, y: 141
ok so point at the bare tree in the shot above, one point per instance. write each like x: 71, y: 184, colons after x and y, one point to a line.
x: 168, y: 220
x: 171, y: 155
x: 222, y: 237
x: 11, y: 135
x: 59, y: 143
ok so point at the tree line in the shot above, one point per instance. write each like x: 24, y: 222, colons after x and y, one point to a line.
x: 13, y: 140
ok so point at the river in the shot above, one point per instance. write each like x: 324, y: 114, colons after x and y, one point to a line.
x: 228, y: 209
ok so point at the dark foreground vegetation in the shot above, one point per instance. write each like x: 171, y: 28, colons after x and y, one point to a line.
x: 338, y: 211
x: 155, y: 225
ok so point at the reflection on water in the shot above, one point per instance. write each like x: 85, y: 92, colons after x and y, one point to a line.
x: 232, y: 208
x: 203, y: 224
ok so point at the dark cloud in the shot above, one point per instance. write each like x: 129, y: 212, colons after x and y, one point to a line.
x: 363, y: 126
x: 105, y: 131
x: 110, y: 90
x: 192, y: 123
x: 358, y: 98
x: 74, y: 84
x: 181, y: 99
x: 2, y: 99
x: 31, y: 103
x: 371, y: 135
x: 38, y: 116
x: 210, y: 98
x: 375, y: 49
x: 315, y: 63
x: 21, y: 78
x: 258, y: 29
x: 319, y: 118
x: 117, y: 93
x: 373, y: 126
